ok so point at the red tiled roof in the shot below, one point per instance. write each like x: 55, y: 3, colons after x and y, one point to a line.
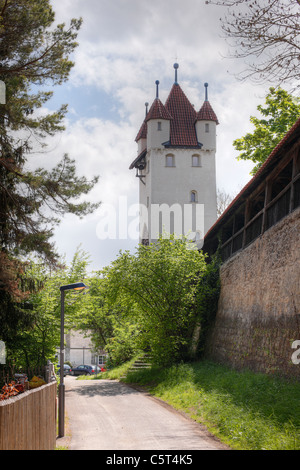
x: 182, y: 131
x: 158, y: 111
x: 142, y: 134
x: 206, y: 113
x: 182, y: 116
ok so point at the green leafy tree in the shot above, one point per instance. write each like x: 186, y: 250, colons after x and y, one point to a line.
x: 158, y: 287
x: 34, y: 58
x: 280, y: 112
x: 108, y: 326
x: 37, y: 342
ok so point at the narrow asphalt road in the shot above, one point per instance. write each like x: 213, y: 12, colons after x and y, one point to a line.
x: 109, y: 415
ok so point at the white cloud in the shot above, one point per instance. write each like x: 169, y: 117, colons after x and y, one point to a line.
x: 124, y: 46
x: 101, y: 148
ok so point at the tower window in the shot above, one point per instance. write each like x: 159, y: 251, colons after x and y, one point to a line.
x: 193, y: 196
x: 170, y: 160
x: 207, y: 127
x: 196, y: 160
x: 159, y: 126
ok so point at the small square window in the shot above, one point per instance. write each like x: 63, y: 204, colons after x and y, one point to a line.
x: 196, y: 160
x: 193, y: 196
x: 170, y: 160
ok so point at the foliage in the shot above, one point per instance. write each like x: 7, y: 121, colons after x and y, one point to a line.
x: 246, y: 410
x: 108, y: 326
x: 34, y: 344
x: 159, y: 288
x: 122, y: 345
x: 208, y: 293
x: 279, y: 114
x: 33, y: 52
x: 116, y: 372
x: 265, y: 35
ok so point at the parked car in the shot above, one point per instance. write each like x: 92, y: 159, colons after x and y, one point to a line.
x: 67, y: 369
x: 84, y: 370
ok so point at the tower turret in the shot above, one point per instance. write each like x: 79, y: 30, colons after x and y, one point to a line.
x: 176, y: 167
x: 206, y: 123
x: 158, y: 123
x: 141, y: 138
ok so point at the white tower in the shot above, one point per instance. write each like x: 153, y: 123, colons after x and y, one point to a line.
x: 176, y: 167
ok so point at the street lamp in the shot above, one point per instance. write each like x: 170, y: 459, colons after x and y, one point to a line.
x: 61, y: 389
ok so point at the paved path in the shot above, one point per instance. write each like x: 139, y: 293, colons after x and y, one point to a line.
x: 109, y: 415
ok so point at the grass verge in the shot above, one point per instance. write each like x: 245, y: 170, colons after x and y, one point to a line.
x: 245, y: 410
x: 116, y: 373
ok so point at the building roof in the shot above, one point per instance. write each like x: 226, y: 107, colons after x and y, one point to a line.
x: 206, y: 113
x: 137, y: 159
x: 182, y: 116
x: 158, y: 111
x: 182, y: 127
x: 142, y: 134
x: 276, y: 155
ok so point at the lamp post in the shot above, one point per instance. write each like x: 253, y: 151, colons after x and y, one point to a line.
x: 61, y: 388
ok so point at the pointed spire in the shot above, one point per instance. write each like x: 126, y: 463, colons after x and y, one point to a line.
x: 176, y: 67
x: 142, y: 134
x: 182, y: 128
x: 206, y: 93
x: 206, y: 112
x: 157, y: 83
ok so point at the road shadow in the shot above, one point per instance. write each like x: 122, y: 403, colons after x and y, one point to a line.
x: 100, y: 388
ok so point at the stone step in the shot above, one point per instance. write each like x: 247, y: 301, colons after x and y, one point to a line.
x: 139, y: 364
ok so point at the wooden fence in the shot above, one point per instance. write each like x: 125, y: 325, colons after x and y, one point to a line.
x: 28, y: 420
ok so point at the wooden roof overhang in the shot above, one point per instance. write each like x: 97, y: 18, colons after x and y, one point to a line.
x: 286, y: 149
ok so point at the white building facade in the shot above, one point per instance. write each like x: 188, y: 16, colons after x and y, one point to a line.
x: 176, y: 167
x: 80, y: 350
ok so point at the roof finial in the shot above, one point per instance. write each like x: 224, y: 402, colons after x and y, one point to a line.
x: 176, y: 67
x: 146, y: 104
x: 206, y: 94
x: 157, y: 83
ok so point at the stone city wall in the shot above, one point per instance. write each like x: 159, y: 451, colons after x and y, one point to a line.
x: 258, y: 316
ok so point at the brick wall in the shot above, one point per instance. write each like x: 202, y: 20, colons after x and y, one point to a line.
x: 258, y: 315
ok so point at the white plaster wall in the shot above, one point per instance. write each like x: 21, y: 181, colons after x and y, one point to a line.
x: 173, y: 185
x: 142, y: 145
x: 78, y: 348
x: 208, y: 139
x: 155, y: 137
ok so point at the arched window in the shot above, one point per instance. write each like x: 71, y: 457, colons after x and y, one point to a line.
x: 196, y: 160
x: 198, y: 236
x: 193, y: 196
x: 170, y: 160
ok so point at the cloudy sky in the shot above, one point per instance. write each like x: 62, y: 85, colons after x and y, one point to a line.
x: 124, y: 47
